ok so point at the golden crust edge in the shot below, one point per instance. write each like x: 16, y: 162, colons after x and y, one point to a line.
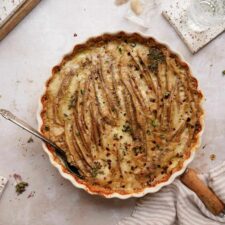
x: 91, y: 189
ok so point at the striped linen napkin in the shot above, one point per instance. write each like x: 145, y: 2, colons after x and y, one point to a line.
x: 3, y: 182
x: 178, y: 205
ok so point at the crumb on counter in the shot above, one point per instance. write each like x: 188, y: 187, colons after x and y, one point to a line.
x: 212, y: 157
x: 30, y: 140
x: 30, y: 81
x: 17, y: 177
x: 31, y: 194
x: 21, y: 187
x: 204, y: 146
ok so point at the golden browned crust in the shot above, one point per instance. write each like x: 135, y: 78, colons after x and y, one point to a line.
x: 131, y: 91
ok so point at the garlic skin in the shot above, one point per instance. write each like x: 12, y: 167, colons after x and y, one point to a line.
x: 120, y: 2
x: 136, y: 7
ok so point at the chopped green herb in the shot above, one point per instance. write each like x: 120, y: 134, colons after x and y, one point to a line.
x: 148, y: 132
x: 153, y: 67
x: 223, y: 73
x: 95, y: 170
x: 47, y: 128
x: 138, y: 150
x: 156, y: 57
x: 73, y: 101
x: 120, y: 49
x: 115, y: 137
x: 154, y: 123
x: 126, y: 128
x: 82, y: 91
x: 167, y: 94
x: 124, y: 152
x: 21, y: 187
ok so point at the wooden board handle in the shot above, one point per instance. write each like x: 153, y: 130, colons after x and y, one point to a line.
x: 207, y: 196
x: 17, y: 17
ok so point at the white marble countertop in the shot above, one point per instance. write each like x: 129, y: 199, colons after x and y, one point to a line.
x: 26, y: 57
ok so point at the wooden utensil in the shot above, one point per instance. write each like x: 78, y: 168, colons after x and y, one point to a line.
x: 207, y: 196
x: 13, y: 20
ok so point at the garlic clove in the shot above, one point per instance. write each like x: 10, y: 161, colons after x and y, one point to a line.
x: 136, y: 6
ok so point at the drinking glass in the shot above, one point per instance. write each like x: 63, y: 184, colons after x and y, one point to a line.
x: 205, y: 13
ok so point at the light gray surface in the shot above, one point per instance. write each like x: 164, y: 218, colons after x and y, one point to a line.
x: 26, y: 57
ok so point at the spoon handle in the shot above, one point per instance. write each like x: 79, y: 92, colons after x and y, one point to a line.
x: 59, y: 152
x: 9, y: 116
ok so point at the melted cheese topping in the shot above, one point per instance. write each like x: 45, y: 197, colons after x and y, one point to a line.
x: 125, y: 112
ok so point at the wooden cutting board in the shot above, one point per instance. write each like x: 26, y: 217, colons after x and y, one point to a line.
x: 12, y: 12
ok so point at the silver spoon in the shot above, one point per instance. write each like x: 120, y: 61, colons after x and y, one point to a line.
x: 59, y: 152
